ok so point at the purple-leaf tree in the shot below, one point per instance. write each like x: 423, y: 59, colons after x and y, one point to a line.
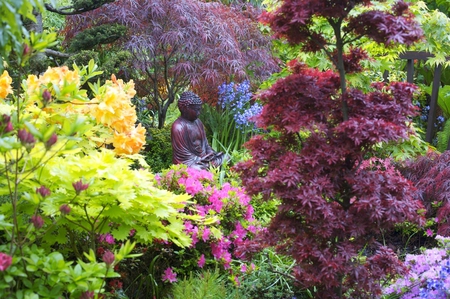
x: 318, y: 156
x: 183, y: 43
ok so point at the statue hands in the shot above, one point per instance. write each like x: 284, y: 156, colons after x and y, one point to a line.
x: 211, y: 156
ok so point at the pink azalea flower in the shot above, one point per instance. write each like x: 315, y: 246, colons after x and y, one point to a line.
x: 193, y: 186
x: 243, y: 268
x: 205, y: 235
x: 107, y: 238
x: 169, y: 275
x: 201, y: 261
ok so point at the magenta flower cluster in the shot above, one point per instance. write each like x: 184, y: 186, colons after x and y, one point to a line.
x: 428, y: 276
x: 5, y: 261
x: 229, y: 203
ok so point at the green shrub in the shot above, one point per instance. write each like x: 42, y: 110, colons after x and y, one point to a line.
x: 205, y: 285
x: 158, y: 151
x: 270, y: 277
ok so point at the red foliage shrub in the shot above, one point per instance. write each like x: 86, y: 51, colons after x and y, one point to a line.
x: 431, y: 177
x: 318, y: 156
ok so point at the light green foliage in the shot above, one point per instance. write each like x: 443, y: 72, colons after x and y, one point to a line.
x: 60, y: 189
x: 221, y: 130
x: 204, y: 285
x: 410, y: 148
x: 436, y: 26
x: 116, y: 194
x: 37, y: 273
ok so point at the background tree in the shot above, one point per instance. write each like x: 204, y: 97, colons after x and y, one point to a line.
x: 177, y: 44
x: 317, y: 156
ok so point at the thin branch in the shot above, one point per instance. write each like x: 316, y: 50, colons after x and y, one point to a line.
x: 72, y: 10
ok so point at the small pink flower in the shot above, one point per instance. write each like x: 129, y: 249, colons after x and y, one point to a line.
x: 5, y: 124
x: 46, y: 96
x: 169, y: 275
x: 243, y: 268
x: 132, y: 232
x: 108, y: 258
x: 37, y: 221
x: 201, y: 261
x: 26, y: 138
x: 5, y: 261
x: 429, y: 233
x: 79, y: 186
x: 52, y: 140
x: 64, y: 209
x: 205, y: 235
x: 236, y: 280
x: 107, y: 238
x: 43, y: 191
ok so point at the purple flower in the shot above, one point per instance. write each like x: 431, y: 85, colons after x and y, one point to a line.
x: 108, y: 258
x: 43, y: 191
x: 169, y: 275
x: 205, y: 235
x: 87, y: 295
x: 106, y: 238
x: 64, y: 209
x: 37, y: 221
x: 52, y: 140
x: 5, y: 261
x: 201, y: 261
x: 79, y: 186
x: 26, y: 138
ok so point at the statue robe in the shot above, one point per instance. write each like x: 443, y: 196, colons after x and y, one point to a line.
x: 189, y: 143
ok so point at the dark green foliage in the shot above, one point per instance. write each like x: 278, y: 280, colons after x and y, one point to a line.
x: 91, y: 37
x: 112, y: 64
x: 271, y: 278
x: 158, y: 151
x: 86, y: 5
x: 82, y: 58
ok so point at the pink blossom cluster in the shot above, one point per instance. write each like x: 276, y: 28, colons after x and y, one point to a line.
x: 106, y: 238
x: 230, y: 204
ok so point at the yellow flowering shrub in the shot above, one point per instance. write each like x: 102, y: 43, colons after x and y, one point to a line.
x: 115, y: 110
x: 111, y: 107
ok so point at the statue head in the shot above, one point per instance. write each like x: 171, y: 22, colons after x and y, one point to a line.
x: 190, y: 105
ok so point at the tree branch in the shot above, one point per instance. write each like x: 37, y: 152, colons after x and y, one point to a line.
x: 73, y: 10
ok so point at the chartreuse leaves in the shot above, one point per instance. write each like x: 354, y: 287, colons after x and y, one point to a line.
x: 115, y: 193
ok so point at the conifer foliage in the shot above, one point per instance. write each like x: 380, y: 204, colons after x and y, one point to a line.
x: 318, y: 156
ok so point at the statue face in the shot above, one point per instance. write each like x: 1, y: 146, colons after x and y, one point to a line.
x: 191, y: 112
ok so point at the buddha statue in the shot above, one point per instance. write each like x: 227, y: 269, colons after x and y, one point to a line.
x: 189, y: 143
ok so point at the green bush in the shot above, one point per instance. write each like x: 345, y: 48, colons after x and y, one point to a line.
x: 205, y: 285
x: 158, y: 151
x: 270, y: 277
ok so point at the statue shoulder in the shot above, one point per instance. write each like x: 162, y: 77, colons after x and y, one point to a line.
x: 179, y: 124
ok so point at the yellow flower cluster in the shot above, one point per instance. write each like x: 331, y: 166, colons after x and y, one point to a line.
x: 56, y: 79
x: 115, y: 110
x: 5, y: 85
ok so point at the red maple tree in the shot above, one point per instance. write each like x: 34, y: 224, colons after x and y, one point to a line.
x: 319, y: 156
x: 178, y: 44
